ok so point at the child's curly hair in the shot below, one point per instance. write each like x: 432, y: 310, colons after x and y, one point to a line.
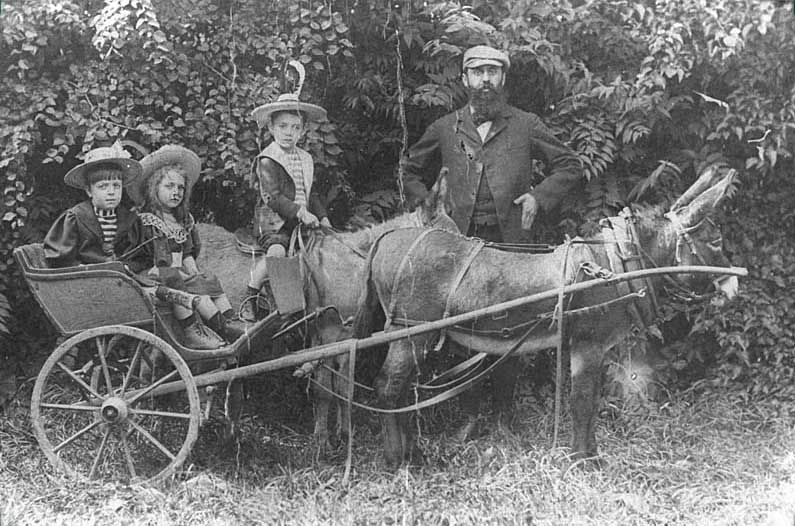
x: 182, y: 211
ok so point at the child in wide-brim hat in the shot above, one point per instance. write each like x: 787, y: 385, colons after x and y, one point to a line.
x: 99, y: 229
x: 284, y: 174
x: 172, y: 244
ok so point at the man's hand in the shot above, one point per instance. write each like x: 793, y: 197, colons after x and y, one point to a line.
x: 307, y: 217
x: 325, y: 222
x: 529, y: 209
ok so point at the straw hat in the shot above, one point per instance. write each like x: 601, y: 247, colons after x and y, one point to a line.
x: 289, y: 102
x: 166, y: 155
x: 115, y: 155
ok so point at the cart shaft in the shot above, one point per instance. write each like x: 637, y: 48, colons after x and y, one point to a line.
x: 381, y: 338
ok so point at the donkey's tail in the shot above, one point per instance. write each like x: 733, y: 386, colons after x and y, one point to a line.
x: 369, y: 305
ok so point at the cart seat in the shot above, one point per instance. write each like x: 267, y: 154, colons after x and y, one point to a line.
x: 31, y: 257
x: 86, y: 296
x: 89, y: 296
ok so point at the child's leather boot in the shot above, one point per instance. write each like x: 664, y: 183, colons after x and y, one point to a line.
x: 197, y: 335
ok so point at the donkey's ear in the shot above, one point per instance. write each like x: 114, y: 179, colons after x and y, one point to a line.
x: 706, y: 180
x: 438, y: 202
x: 709, y: 199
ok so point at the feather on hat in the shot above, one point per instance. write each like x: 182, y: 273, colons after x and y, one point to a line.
x: 289, y: 102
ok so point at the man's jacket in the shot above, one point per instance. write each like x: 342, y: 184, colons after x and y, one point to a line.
x: 505, y: 158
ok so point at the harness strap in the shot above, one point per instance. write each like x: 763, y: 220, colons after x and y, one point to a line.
x: 629, y: 218
x: 530, y: 248
x: 625, y: 254
x: 455, y: 374
x: 618, y: 258
x: 559, y: 353
x: 396, y: 281
x: 455, y: 391
x: 473, y: 252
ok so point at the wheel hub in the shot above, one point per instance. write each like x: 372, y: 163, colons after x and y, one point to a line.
x: 113, y: 410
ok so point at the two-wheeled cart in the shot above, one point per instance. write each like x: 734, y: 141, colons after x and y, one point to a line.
x: 121, y: 398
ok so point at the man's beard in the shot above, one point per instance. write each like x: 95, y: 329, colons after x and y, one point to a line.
x: 486, y: 102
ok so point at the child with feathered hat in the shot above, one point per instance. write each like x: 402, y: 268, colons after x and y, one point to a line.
x: 285, y: 174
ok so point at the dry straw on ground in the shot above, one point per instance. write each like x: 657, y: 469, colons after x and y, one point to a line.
x: 695, y: 460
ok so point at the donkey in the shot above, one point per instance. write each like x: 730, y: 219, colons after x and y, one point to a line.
x: 419, y: 276
x: 332, y: 266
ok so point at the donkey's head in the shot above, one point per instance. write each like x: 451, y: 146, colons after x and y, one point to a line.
x: 699, y: 240
x: 436, y: 208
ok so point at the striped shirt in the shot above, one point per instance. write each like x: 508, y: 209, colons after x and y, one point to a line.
x: 109, y: 225
x: 296, y: 171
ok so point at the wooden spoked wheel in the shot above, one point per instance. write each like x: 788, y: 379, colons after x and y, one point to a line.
x: 102, y: 408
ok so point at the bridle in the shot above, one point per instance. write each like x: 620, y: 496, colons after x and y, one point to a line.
x: 683, y: 238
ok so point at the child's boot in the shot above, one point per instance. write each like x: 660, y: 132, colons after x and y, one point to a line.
x: 223, y: 324
x: 198, y: 336
x: 249, y: 309
x: 267, y: 298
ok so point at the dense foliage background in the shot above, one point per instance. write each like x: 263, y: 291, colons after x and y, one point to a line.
x: 647, y: 92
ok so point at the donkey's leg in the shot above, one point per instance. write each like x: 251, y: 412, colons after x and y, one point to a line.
x: 469, y: 401
x: 586, y: 386
x: 321, y: 402
x: 322, y: 398
x: 341, y: 386
x: 503, y: 381
x: 391, y: 385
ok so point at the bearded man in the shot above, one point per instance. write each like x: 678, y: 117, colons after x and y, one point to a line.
x: 490, y: 149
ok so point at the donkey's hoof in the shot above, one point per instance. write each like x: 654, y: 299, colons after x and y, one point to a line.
x: 415, y: 457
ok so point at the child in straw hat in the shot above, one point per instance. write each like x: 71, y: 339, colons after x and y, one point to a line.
x: 285, y: 174
x: 99, y: 229
x: 163, y: 196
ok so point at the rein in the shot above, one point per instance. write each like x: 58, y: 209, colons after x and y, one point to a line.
x: 333, y: 234
x: 452, y: 392
x: 471, y: 372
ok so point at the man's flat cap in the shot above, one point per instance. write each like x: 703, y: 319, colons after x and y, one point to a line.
x: 477, y: 56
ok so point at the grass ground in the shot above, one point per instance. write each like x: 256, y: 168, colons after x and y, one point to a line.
x: 706, y: 459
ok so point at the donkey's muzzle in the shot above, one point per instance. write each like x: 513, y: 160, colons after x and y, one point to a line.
x: 728, y: 285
